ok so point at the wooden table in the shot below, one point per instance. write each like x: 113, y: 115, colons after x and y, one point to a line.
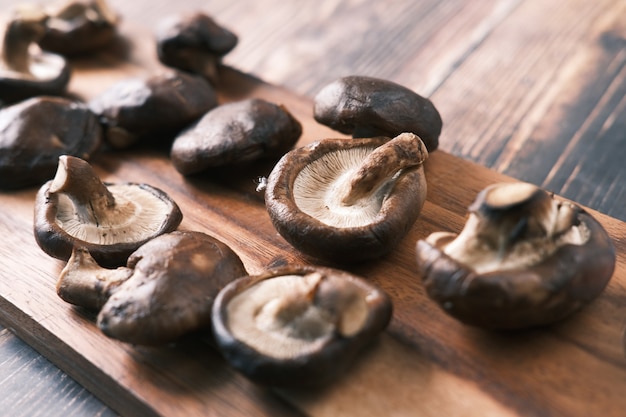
x: 532, y: 89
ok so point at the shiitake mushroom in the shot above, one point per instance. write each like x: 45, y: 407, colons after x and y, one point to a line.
x: 153, y: 108
x: 25, y: 70
x: 297, y: 325
x: 164, y: 292
x: 366, y: 107
x: 348, y: 200
x: 524, y: 258
x: 76, y: 209
x: 235, y: 133
x: 34, y: 133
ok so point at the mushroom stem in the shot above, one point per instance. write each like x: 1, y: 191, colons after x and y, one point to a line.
x: 206, y: 65
x: 78, y: 180
x: 26, y: 28
x: 85, y: 283
x: 404, y: 151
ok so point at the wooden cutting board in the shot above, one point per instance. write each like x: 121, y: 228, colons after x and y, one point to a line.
x: 425, y: 363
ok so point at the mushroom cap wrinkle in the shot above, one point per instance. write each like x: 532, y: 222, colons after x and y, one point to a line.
x: 305, y: 189
x: 524, y: 258
x: 297, y: 325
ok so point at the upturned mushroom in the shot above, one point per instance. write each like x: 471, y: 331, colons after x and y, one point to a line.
x: 165, y: 291
x: 194, y: 42
x: 34, y: 133
x: 76, y: 209
x: 348, y: 200
x: 235, y: 133
x: 79, y: 26
x: 367, y: 107
x: 153, y: 108
x: 523, y: 259
x: 297, y: 325
x: 25, y: 70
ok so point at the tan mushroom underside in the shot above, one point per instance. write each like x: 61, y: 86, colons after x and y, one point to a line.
x: 278, y: 317
x: 319, y: 187
x: 468, y: 248
x: 137, y: 216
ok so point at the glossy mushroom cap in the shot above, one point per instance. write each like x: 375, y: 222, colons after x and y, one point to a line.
x: 524, y: 258
x: 195, y: 43
x: 297, y: 325
x: 34, y: 133
x: 153, y: 107
x: 347, y: 200
x: 367, y: 107
x: 173, y: 281
x: 78, y: 27
x: 235, y: 133
x: 76, y: 209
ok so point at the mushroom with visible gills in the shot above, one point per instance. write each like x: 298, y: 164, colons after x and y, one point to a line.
x: 297, y: 325
x: 76, y: 209
x: 26, y: 71
x: 523, y: 259
x: 78, y: 27
x: 166, y: 289
x: 348, y: 200
x: 35, y: 132
x: 194, y: 42
x: 366, y: 107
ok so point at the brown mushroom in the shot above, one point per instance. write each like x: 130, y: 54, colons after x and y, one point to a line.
x: 76, y: 209
x: 194, y: 42
x: 166, y: 289
x: 153, y: 107
x: 36, y: 132
x: 524, y: 258
x: 234, y: 133
x: 347, y: 200
x: 26, y: 71
x: 297, y: 325
x: 366, y: 107
x: 79, y: 26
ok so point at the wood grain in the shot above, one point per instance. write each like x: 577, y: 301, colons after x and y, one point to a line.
x: 529, y: 88
x: 426, y: 362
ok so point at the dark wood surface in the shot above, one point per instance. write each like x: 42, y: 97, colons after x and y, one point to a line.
x: 531, y: 89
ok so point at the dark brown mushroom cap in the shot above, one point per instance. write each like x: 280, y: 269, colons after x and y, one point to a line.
x: 24, y: 71
x: 175, y: 278
x: 369, y: 239
x: 193, y: 42
x: 161, y: 104
x: 128, y: 214
x: 36, y: 132
x: 235, y: 133
x: 367, y: 107
x: 359, y: 309
x: 79, y: 27
x: 533, y: 295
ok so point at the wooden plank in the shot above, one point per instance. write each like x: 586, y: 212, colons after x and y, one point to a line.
x: 425, y: 363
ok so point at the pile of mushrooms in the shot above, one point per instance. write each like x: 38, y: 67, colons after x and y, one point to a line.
x: 523, y: 259
x: 348, y: 200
